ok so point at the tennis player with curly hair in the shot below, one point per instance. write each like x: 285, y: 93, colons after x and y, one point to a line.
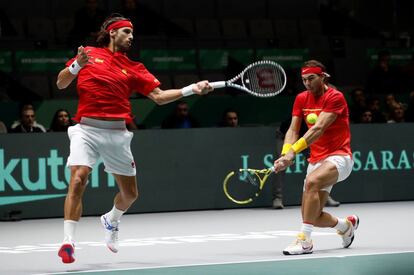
x: 106, y: 79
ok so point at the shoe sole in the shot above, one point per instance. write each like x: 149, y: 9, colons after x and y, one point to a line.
x: 287, y: 253
x: 103, y: 225
x: 66, y: 253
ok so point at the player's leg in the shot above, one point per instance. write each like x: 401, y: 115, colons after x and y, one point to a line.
x: 128, y: 193
x: 344, y: 226
x: 118, y: 160
x: 73, y: 202
x: 82, y: 157
x: 313, y: 198
x: 73, y: 210
x: 318, y: 177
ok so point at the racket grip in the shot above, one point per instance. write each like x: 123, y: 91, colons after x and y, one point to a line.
x: 218, y: 84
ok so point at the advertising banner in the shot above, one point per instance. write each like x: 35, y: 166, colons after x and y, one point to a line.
x: 184, y: 169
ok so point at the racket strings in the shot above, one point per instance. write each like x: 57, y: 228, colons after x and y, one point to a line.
x: 252, y: 179
x: 264, y: 79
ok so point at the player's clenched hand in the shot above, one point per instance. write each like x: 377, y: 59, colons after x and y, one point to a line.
x: 202, y: 87
x: 83, y: 56
x: 284, y: 162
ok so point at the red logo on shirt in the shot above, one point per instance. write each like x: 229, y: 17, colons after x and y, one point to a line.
x: 133, y: 164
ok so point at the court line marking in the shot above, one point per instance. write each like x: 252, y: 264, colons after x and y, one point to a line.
x: 288, y: 258
x: 163, y: 240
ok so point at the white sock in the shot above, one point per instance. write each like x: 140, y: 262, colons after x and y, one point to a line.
x: 342, y: 225
x: 307, y: 230
x: 69, y: 229
x: 115, y: 214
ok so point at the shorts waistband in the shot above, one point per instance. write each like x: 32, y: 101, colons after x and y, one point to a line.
x: 104, y: 124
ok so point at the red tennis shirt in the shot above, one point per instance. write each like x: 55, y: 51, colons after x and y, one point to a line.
x: 336, y: 140
x: 105, y: 85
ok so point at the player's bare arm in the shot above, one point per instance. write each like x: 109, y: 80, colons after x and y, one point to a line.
x: 162, y: 97
x: 325, y: 119
x: 323, y: 122
x: 67, y: 75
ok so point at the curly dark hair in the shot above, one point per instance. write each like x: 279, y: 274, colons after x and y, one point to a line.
x: 103, y: 38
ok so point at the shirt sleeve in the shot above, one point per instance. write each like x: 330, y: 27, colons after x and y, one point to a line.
x: 145, y: 82
x: 335, y: 104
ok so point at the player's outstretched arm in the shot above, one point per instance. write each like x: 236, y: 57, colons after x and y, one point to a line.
x: 162, y: 97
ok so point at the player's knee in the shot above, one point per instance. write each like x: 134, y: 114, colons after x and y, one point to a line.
x: 79, y: 182
x: 311, y: 185
x: 131, y: 195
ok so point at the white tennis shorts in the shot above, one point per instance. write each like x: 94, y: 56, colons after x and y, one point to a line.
x: 343, y: 164
x: 110, y: 140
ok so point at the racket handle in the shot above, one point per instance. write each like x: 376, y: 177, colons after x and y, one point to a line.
x: 218, y: 84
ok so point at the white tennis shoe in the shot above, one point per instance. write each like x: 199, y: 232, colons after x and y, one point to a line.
x: 300, y: 246
x: 111, y: 233
x: 349, y: 235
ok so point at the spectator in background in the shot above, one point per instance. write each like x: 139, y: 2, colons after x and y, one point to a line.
x: 397, y: 114
x: 18, y: 122
x: 390, y: 102
x: 279, y: 178
x: 230, y: 118
x: 384, y: 77
x: 61, y: 121
x: 87, y: 21
x: 365, y: 117
x: 27, y: 122
x: 180, y: 118
x: 374, y: 105
x: 3, y: 128
x: 358, y: 104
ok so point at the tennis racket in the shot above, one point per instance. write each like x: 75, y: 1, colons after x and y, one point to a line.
x: 263, y: 79
x: 247, y: 186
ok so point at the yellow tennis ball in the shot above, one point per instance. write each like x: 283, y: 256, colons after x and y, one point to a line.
x: 312, y: 118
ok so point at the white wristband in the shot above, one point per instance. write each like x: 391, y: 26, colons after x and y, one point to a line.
x: 188, y: 90
x: 74, y: 68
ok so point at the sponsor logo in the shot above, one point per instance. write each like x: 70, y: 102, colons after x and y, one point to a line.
x: 383, y: 160
x: 41, y: 178
x: 99, y: 60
